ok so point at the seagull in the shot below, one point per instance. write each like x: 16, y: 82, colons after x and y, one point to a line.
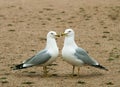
x: 43, y: 57
x: 74, y: 55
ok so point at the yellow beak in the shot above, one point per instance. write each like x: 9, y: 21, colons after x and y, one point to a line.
x: 63, y: 34
x: 57, y: 35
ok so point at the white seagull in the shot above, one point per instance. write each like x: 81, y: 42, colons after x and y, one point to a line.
x: 75, y: 55
x: 45, y: 56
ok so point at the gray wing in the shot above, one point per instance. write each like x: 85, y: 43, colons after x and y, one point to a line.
x: 39, y: 58
x: 82, y: 55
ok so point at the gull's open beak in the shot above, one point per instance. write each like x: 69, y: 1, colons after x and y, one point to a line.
x: 63, y: 34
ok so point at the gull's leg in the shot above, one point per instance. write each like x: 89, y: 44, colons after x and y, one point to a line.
x: 45, y: 70
x: 73, y: 70
x: 78, y: 70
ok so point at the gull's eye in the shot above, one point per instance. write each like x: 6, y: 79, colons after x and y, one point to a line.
x: 69, y: 31
x: 52, y: 33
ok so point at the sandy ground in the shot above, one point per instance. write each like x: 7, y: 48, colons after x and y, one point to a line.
x: 23, y: 28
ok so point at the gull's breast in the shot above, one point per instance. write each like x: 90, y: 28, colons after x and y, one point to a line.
x: 68, y: 56
x: 54, y: 54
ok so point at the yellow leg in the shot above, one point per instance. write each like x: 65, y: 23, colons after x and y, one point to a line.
x: 73, y: 70
x: 78, y: 70
x: 45, y: 70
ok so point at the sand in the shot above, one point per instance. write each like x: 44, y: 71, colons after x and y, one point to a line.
x: 23, y: 28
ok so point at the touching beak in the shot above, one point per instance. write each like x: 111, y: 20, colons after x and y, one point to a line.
x: 63, y: 34
x: 57, y: 35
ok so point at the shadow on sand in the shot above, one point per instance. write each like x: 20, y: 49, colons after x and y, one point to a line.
x: 41, y: 75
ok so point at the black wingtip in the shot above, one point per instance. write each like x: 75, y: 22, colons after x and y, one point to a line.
x: 100, y: 67
x: 20, y: 66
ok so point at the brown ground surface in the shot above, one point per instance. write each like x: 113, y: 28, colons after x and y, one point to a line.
x: 23, y: 28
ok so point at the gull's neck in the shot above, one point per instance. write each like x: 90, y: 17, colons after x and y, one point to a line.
x: 51, y: 43
x: 69, y: 41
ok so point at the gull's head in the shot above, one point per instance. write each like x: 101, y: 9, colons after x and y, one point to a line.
x: 68, y: 33
x: 52, y: 34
